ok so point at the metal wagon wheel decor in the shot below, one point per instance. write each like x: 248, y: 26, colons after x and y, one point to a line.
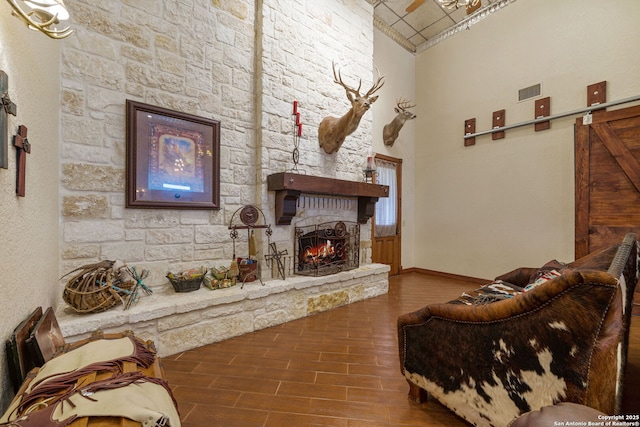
x: 248, y: 218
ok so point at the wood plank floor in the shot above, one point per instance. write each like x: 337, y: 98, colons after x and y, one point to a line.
x: 337, y: 368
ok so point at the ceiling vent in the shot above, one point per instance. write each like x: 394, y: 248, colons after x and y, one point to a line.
x: 529, y: 92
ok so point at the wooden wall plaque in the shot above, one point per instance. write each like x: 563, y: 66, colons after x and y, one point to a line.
x: 597, y: 94
x: 469, y: 128
x: 498, y: 122
x: 542, y: 109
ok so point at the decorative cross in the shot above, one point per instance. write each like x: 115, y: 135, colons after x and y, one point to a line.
x: 7, y: 107
x: 23, y: 147
x: 274, y: 254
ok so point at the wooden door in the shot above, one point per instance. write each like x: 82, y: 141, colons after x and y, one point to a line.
x: 387, y: 249
x: 607, y: 179
x: 607, y: 156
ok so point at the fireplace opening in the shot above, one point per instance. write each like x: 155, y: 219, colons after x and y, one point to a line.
x: 327, y: 248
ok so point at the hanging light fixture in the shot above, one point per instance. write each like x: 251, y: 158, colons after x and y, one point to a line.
x: 459, y: 3
x: 43, y: 15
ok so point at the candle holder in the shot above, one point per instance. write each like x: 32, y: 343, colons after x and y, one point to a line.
x: 369, y: 169
x: 297, y: 133
x: 368, y: 175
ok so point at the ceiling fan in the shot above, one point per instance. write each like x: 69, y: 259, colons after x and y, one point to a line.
x: 471, y: 5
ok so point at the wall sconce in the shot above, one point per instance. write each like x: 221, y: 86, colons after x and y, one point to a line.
x: 43, y: 15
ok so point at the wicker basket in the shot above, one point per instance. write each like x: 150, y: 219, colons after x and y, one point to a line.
x: 187, y: 281
x: 95, y: 288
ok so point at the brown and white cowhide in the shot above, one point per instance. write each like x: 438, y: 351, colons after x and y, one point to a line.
x: 491, y: 363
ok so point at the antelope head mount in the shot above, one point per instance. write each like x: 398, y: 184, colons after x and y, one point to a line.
x: 391, y: 130
x: 333, y: 130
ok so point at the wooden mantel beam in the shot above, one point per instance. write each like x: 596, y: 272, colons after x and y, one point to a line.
x: 289, y: 186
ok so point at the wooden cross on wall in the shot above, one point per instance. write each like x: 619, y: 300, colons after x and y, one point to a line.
x: 23, y: 147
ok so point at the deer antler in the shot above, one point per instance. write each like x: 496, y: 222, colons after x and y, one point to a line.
x: 377, y: 85
x: 337, y: 78
x: 404, y: 104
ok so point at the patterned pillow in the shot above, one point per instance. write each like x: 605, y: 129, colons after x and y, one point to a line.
x: 545, y: 277
x: 491, y: 292
x: 500, y: 290
x: 549, y: 266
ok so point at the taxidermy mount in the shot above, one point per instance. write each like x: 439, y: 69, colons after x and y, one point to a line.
x: 333, y: 130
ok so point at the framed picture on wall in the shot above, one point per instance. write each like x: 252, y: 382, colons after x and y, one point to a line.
x: 173, y: 159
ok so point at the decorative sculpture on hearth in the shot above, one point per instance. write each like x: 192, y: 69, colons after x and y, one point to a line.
x: 391, y: 130
x: 333, y: 130
x: 275, y: 254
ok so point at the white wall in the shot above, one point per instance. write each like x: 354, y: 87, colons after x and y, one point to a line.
x: 398, y: 67
x: 485, y: 209
x: 29, y: 225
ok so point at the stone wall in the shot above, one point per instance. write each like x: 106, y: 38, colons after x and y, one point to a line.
x: 239, y: 62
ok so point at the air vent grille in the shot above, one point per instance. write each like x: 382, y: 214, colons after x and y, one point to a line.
x: 529, y: 92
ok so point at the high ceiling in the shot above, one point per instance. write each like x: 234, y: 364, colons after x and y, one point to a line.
x: 429, y: 23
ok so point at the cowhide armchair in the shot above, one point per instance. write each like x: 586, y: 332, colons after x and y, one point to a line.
x: 563, y: 340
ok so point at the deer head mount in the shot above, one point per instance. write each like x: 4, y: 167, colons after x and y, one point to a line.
x: 391, y: 130
x: 333, y: 130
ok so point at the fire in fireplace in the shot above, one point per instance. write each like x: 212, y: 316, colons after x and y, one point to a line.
x: 327, y: 248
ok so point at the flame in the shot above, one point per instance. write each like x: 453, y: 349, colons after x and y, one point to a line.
x: 320, y: 252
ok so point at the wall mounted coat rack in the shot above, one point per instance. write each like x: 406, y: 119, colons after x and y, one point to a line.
x: 596, y: 102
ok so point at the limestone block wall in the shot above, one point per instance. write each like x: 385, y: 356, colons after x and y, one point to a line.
x: 192, y: 56
x: 300, y: 42
x: 239, y: 62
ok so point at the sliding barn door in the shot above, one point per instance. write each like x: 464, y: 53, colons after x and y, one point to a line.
x: 607, y: 179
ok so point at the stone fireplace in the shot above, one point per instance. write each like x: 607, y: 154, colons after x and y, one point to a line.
x: 327, y: 248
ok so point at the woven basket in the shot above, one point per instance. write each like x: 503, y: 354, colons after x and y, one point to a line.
x: 95, y: 288
x: 188, y: 283
x: 185, y: 285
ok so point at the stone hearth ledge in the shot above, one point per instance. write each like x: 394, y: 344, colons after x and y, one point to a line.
x: 177, y: 322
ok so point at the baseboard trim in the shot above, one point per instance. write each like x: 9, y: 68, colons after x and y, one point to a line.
x: 446, y: 275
